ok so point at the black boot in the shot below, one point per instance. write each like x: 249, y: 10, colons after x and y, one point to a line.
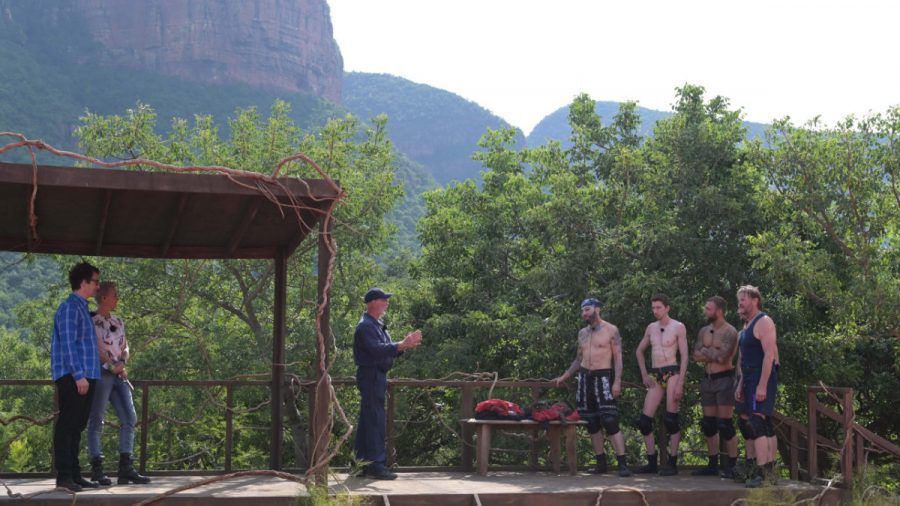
x: 671, y: 467
x: 67, y: 483
x: 623, y: 467
x: 127, y: 472
x: 97, y: 473
x: 728, y: 468
x: 651, y: 467
x: 600, y: 468
x: 711, y: 469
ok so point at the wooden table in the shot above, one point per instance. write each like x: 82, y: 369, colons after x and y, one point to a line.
x: 556, y: 429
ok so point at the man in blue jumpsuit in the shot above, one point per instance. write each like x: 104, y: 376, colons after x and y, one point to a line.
x: 374, y: 353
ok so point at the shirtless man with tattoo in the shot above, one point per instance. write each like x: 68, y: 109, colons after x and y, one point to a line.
x: 667, y: 339
x: 715, y: 349
x: 598, y: 366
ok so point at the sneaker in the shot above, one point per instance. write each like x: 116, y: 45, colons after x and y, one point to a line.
x: 624, y: 472
x: 379, y: 472
x: 727, y: 473
x: 705, y: 471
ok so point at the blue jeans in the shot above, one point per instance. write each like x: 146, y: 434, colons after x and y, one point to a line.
x: 111, y: 388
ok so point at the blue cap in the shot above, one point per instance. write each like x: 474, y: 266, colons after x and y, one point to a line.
x: 375, y: 294
x: 590, y: 302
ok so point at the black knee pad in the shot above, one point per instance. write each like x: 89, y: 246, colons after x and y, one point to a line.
x: 593, y: 425
x: 770, y: 427
x: 726, y: 428
x: 744, y: 426
x: 610, y: 424
x: 758, y: 426
x: 645, y: 424
x: 673, y: 426
x: 709, y: 426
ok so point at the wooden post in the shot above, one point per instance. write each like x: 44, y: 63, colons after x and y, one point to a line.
x: 484, y: 448
x: 811, y: 435
x: 278, y: 332
x: 466, y: 411
x: 322, y: 414
x: 229, y: 426
x: 533, y: 446
x: 847, y: 453
x: 795, y: 454
x: 145, y: 417
x: 860, y: 453
x: 391, y: 406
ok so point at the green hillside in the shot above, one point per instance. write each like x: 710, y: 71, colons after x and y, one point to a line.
x: 436, y: 128
x: 555, y: 126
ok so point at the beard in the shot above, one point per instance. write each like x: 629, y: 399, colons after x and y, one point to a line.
x: 710, y: 319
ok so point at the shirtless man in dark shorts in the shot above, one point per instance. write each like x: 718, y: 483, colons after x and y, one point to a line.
x: 715, y: 349
x: 598, y: 366
x: 667, y: 339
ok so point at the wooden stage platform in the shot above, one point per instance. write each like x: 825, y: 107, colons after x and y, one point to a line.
x: 429, y: 488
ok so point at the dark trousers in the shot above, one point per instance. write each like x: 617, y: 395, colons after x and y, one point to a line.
x: 370, y: 432
x: 74, y: 410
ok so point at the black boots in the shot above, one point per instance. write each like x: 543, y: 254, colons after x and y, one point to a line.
x: 97, y: 473
x: 711, y: 469
x: 127, y: 473
x: 671, y: 467
x: 624, y: 472
x: 651, y: 467
x: 600, y: 468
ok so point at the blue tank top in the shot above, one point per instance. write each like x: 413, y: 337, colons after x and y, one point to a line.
x: 751, y: 347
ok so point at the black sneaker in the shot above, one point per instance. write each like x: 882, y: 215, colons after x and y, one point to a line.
x: 705, y: 471
x: 624, y: 472
x: 727, y: 473
x: 600, y: 467
x: 379, y: 473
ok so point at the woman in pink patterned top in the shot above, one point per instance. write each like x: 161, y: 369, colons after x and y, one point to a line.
x: 112, y: 387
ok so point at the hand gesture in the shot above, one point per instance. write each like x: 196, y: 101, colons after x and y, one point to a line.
x: 411, y: 340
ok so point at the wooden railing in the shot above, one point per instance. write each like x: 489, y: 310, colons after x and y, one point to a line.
x: 852, y: 450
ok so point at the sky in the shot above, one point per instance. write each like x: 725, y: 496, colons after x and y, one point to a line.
x: 523, y: 59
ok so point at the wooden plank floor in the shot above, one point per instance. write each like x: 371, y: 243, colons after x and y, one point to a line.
x: 428, y: 488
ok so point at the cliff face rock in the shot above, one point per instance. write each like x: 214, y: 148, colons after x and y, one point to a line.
x: 274, y: 44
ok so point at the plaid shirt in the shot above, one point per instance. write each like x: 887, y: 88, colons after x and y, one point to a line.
x: 73, y: 349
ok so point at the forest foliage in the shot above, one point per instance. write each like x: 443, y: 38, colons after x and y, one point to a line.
x: 809, y: 214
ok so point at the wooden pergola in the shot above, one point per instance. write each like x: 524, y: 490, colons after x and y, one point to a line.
x: 165, y: 215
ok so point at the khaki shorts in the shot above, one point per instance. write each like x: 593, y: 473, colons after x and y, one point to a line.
x: 718, y: 391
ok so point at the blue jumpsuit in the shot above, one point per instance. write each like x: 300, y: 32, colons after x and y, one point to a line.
x: 374, y: 354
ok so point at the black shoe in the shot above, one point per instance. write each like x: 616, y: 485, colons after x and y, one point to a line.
x: 97, y: 473
x: 84, y: 483
x: 727, y: 473
x: 651, y: 467
x: 600, y: 467
x: 68, y: 484
x: 127, y: 473
x: 624, y: 472
x: 671, y: 467
x: 705, y: 471
x: 380, y: 474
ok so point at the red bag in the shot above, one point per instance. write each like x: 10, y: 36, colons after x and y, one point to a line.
x: 557, y: 411
x: 498, y: 409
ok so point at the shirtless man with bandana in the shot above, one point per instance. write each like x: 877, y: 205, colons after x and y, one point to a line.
x: 598, y: 365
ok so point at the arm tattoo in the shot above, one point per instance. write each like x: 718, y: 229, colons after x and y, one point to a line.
x: 726, y: 347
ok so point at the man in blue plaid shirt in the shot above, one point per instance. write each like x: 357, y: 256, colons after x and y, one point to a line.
x: 76, y: 366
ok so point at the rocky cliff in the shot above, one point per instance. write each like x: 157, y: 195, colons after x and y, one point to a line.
x: 273, y: 44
